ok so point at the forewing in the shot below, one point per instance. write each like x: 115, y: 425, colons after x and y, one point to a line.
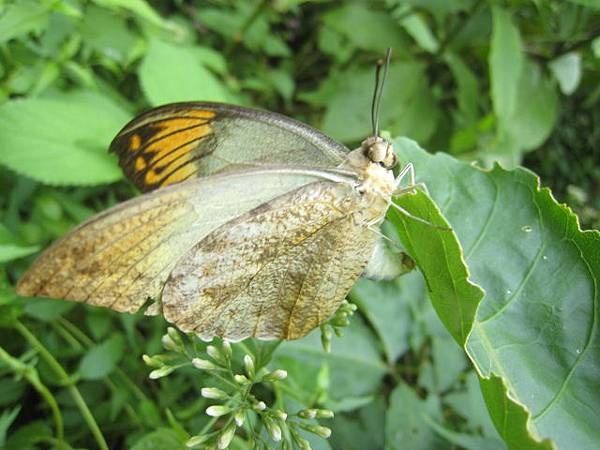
x: 122, y: 257
x: 180, y: 141
x: 276, y: 272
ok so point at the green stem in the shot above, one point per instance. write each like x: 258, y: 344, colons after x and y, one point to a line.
x: 66, y: 380
x: 30, y: 374
x: 68, y: 336
x: 82, y: 337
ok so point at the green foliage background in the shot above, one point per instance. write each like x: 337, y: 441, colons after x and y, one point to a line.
x: 514, y: 82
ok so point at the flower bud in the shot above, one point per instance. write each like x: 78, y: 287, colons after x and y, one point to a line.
x: 308, y: 413
x: 203, y: 364
x: 197, y: 440
x: 212, y: 392
x: 215, y: 354
x: 241, y: 379
x: 272, y: 428
x: 326, y: 335
x: 320, y: 431
x: 249, y: 366
x: 281, y: 415
x: 259, y: 406
x: 168, y: 343
x: 302, y: 443
x: 239, y: 417
x: 152, y: 361
x: 227, y: 351
x: 276, y: 375
x: 217, y: 410
x: 162, y: 372
x: 324, y: 414
x: 226, y: 436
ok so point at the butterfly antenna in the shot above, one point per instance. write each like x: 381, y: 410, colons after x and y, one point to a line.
x: 378, y: 92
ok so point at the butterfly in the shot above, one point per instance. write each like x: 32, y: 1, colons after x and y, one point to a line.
x: 251, y: 223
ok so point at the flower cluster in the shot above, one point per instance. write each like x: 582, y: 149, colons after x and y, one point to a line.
x: 339, y: 320
x: 236, y: 408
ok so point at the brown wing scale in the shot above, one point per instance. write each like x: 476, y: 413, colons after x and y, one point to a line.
x: 277, y: 271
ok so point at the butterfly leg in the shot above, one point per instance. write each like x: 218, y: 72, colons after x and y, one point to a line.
x: 418, y: 219
x: 409, y: 170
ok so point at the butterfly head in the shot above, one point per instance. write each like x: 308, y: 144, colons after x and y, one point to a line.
x: 379, y: 151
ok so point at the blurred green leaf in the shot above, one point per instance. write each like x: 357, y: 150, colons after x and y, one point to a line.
x: 361, y: 429
x: 354, y: 365
x: 356, y: 22
x: 390, y: 317
x: 100, y: 360
x: 22, y: 17
x: 61, y: 140
x: 417, y: 27
x: 47, y: 310
x: 467, y: 93
x: 448, y: 363
x: 117, y: 44
x: 407, y: 99
x: 406, y: 425
x: 567, y: 71
x: 138, y: 7
x: 589, y: 3
x: 505, y: 63
x: 10, y: 249
x: 171, y: 73
x: 161, y: 439
x: 27, y: 435
x: 536, y: 109
x: 6, y: 419
x: 464, y: 440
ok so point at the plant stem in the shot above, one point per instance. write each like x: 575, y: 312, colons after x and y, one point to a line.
x: 82, y: 337
x: 66, y: 380
x: 30, y: 374
x: 68, y: 336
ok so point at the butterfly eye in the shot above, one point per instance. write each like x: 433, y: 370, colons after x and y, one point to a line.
x: 377, y: 152
x: 390, y: 160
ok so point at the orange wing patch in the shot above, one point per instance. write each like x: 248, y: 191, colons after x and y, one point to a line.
x: 164, y: 149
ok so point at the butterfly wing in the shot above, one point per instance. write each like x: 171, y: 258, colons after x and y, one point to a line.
x: 278, y: 271
x: 179, y: 141
x: 123, y: 256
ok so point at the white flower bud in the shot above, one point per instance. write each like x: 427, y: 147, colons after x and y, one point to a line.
x: 239, y: 417
x: 217, y: 410
x: 162, y: 372
x: 281, y: 415
x: 259, y: 406
x: 272, y: 428
x: 215, y: 354
x: 276, y: 375
x: 249, y: 366
x: 241, y: 379
x: 212, y: 392
x: 203, y: 364
x: 226, y: 436
x: 227, y: 351
x: 196, y: 440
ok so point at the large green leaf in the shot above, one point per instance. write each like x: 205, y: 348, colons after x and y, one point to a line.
x: 172, y: 73
x: 61, y: 140
x: 537, y: 326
